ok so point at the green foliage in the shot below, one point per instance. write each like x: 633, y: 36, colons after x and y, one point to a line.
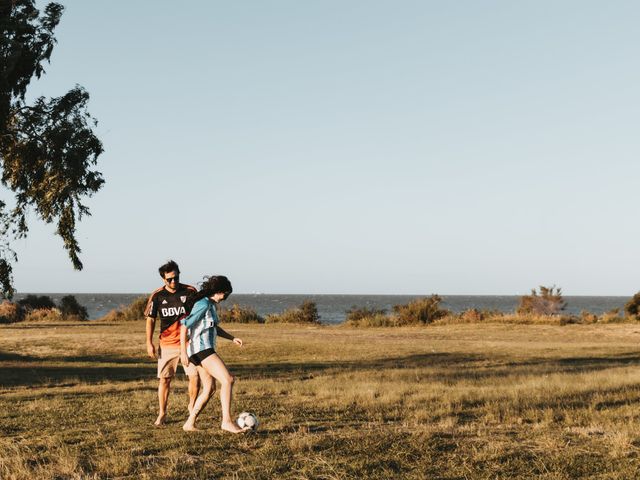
x: 548, y: 301
x: 47, y: 149
x: 238, y: 314
x: 422, y: 311
x: 305, y: 313
x: 632, y: 307
x: 35, y: 302
x: 42, y: 307
x: 69, y: 307
x: 133, y: 311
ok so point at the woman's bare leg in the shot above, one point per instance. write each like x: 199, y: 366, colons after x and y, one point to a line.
x: 214, y: 365
x: 201, y: 401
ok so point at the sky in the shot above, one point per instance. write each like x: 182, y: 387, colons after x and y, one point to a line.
x: 361, y: 147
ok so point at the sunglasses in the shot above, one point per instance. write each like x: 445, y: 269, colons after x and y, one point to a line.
x: 171, y: 280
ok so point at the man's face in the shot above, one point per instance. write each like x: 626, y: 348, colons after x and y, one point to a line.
x: 171, y: 280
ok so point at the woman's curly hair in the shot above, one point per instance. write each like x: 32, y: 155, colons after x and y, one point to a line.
x: 209, y: 287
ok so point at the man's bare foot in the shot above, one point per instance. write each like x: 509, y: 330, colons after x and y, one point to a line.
x: 160, y: 420
x: 233, y: 428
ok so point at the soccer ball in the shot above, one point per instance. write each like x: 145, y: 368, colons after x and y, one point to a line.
x: 247, y: 419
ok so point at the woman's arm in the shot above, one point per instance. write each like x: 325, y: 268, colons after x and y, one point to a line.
x: 183, y: 346
x: 224, y: 334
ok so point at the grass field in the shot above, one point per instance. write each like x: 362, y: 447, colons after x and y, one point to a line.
x: 463, y: 401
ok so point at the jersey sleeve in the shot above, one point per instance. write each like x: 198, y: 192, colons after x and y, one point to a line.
x: 151, y: 310
x: 197, y: 313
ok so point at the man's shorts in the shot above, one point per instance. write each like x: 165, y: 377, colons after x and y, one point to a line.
x: 168, y: 359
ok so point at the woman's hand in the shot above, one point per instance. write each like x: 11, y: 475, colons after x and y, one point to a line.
x: 238, y: 341
x: 184, y: 358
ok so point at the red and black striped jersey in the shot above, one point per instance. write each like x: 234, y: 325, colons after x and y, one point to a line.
x: 169, y: 307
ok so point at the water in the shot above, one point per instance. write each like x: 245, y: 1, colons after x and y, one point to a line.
x: 332, y: 308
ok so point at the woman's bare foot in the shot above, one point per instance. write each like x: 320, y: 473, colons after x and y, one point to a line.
x: 189, y: 426
x: 160, y: 420
x: 233, y: 428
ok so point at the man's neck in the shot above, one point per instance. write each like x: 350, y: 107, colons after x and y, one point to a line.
x: 170, y: 290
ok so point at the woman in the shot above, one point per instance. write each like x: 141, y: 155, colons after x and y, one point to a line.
x: 201, y: 326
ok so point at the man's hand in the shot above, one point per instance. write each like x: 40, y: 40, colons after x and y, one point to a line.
x: 151, y: 351
x: 184, y: 358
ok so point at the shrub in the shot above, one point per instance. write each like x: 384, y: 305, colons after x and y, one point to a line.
x: 356, y: 314
x: 33, y: 302
x: 422, y: 311
x: 373, y: 320
x: 310, y: 312
x: 588, y: 317
x: 632, y: 307
x: 569, y: 319
x: 11, y: 312
x: 612, y: 316
x: 43, y: 315
x: 238, y: 314
x: 305, y: 313
x: 70, y: 308
x: 473, y: 315
x: 548, y: 301
x: 133, y: 311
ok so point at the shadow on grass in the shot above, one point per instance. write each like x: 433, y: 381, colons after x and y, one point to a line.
x: 35, y: 375
x: 25, y: 370
x: 50, y: 325
x: 448, y: 367
x: 97, y: 358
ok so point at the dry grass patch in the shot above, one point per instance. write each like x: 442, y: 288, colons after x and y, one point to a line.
x: 445, y: 401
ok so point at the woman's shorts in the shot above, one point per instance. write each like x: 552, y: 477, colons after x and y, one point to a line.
x: 197, y: 358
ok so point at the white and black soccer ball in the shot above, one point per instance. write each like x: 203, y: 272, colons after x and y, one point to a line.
x: 247, y: 419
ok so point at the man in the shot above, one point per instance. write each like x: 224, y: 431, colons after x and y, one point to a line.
x: 167, y: 302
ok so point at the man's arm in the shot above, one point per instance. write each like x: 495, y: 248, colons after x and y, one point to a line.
x: 151, y: 326
x: 150, y: 314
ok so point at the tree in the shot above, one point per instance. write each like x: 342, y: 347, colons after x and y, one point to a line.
x: 632, y: 307
x: 548, y: 301
x: 48, y: 148
x: 70, y: 307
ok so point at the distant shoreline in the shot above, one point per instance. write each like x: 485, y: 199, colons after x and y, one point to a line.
x: 332, y: 308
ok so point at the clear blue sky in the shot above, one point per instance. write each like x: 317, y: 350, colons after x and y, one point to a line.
x: 409, y: 147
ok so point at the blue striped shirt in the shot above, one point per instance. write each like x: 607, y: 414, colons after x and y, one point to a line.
x: 201, y: 326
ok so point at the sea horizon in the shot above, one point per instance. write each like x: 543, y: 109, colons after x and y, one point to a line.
x: 332, y: 308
